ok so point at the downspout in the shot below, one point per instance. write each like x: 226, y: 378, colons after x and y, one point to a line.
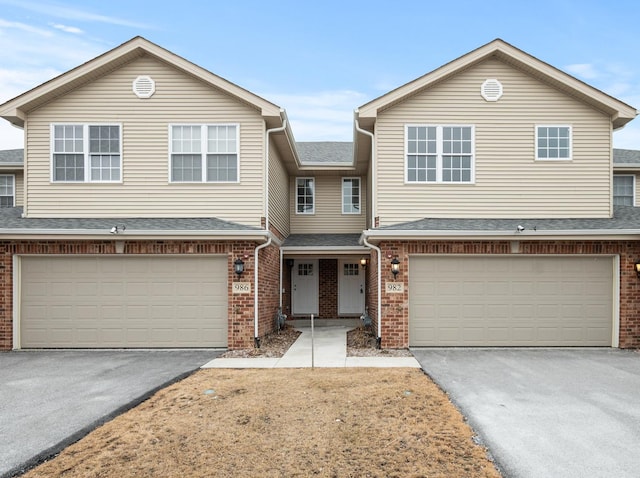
x: 373, y: 224
x: 256, y: 312
x: 256, y: 338
x: 379, y: 311
x: 373, y: 169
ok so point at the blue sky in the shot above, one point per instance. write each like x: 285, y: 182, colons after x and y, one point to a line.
x: 322, y: 59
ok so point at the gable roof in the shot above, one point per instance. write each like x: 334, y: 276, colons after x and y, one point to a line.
x: 15, y: 110
x: 620, y: 112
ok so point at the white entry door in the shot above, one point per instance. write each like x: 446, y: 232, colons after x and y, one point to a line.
x: 304, y: 285
x: 351, y: 287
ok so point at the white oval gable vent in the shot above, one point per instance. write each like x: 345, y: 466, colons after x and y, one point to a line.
x: 491, y: 89
x: 144, y: 87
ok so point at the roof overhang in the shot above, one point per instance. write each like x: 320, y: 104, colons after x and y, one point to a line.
x: 375, y: 236
x: 259, y: 236
x: 16, y: 110
x: 620, y: 113
x: 324, y: 250
x: 11, y: 166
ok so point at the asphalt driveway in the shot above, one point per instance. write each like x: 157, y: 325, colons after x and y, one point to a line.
x: 547, y: 412
x: 50, y: 399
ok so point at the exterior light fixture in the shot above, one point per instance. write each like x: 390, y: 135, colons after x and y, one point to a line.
x: 395, y: 266
x: 117, y: 229
x: 289, y: 263
x: 363, y: 262
x: 238, y: 266
x: 637, y: 266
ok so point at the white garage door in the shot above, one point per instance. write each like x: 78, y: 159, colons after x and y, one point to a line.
x: 123, y: 301
x: 510, y: 301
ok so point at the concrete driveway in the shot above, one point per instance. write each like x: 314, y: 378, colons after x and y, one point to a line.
x: 547, y: 412
x: 51, y: 399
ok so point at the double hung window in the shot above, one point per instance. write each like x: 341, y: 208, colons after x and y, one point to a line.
x: 350, y: 195
x: 623, y: 190
x: 204, y: 153
x: 86, y: 153
x: 439, y: 154
x: 7, y: 190
x: 305, y: 196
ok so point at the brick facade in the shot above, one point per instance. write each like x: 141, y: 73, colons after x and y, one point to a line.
x: 395, y: 312
x: 328, y: 293
x: 240, y: 306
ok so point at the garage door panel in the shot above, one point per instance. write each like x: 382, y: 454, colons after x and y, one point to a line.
x: 525, y: 300
x: 124, y: 301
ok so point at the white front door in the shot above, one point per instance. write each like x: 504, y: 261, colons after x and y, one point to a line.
x: 304, y: 285
x: 351, y: 287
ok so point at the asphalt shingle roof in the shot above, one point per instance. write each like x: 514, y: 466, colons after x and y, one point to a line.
x: 322, y: 240
x: 626, y: 156
x: 12, y: 156
x: 625, y: 217
x: 11, y: 218
x: 325, y: 152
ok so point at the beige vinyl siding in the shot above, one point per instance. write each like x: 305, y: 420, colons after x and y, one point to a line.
x: 509, y: 182
x: 278, y: 192
x: 145, y: 190
x: 19, y: 187
x: 328, y: 217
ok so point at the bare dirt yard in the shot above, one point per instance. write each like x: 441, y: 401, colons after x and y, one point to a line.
x: 283, y: 423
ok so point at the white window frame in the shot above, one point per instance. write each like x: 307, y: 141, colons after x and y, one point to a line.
x: 359, y: 211
x: 538, y: 126
x: 13, y: 188
x: 633, y: 182
x: 313, y: 195
x: 85, y: 152
x: 204, y: 152
x: 439, y: 153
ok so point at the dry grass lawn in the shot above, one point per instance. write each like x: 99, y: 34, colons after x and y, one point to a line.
x: 283, y: 423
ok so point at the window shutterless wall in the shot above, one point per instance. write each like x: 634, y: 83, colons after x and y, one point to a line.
x: 146, y: 189
x: 509, y: 181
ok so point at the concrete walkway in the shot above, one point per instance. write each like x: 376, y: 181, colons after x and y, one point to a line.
x: 329, y: 350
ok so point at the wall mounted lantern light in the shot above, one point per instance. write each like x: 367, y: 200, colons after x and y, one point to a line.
x: 395, y: 266
x: 363, y: 262
x: 289, y: 263
x: 117, y: 229
x: 238, y: 266
x: 637, y: 266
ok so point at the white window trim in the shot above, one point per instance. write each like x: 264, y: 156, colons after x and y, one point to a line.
x: 439, y: 153
x: 359, y: 196
x: 203, y: 152
x: 570, y: 158
x: 313, y: 192
x: 85, y: 152
x: 633, y: 181
x: 13, y: 193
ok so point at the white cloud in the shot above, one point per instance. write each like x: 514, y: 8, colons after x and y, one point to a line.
x: 322, y: 116
x: 66, y: 28
x: 23, y: 27
x: 68, y: 13
x: 583, y: 70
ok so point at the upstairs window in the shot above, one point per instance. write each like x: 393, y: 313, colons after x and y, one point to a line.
x: 351, y: 196
x: 305, y: 203
x: 623, y: 190
x: 439, y: 154
x: 86, y: 153
x: 7, y: 190
x: 204, y: 153
x: 553, y: 142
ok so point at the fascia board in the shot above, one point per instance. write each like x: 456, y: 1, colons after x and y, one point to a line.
x: 317, y: 249
x: 376, y: 235
x: 101, y: 234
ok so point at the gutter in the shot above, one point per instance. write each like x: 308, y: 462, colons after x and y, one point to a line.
x: 373, y: 184
x: 266, y: 161
x: 379, y: 277
x: 256, y: 313
x: 143, y: 234
x: 571, y: 234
